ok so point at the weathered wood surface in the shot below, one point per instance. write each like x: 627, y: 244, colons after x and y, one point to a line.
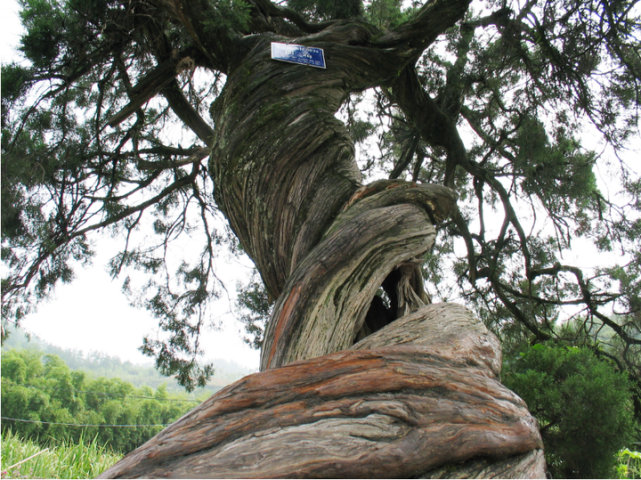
x: 326, y: 298
x: 419, y: 394
x: 283, y: 165
x: 448, y: 329
x: 377, y: 410
x: 529, y: 465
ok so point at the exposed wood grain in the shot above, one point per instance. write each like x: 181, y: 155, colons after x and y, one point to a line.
x: 337, y: 281
x: 326, y: 298
x: 529, y: 465
x: 391, y: 411
x: 448, y: 329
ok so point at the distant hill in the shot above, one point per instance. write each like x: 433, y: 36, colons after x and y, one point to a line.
x: 102, y: 365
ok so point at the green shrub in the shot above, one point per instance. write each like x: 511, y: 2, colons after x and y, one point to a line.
x: 629, y: 464
x: 583, y: 406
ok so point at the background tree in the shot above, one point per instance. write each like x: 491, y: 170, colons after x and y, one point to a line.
x: 41, y: 388
x: 86, y: 147
x: 583, y: 406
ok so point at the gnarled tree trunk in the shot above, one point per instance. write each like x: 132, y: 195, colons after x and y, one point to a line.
x: 418, y: 398
x: 419, y: 394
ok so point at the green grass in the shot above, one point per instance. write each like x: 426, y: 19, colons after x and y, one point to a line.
x: 60, y: 461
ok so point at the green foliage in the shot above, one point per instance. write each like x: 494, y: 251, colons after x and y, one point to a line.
x: 629, y: 464
x: 233, y: 14
x: 556, y: 171
x: 255, y: 308
x: 386, y: 13
x: 41, y: 388
x: 583, y: 406
x: 85, y: 459
x: 327, y: 9
x: 13, y: 82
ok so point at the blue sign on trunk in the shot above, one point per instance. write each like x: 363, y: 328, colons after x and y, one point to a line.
x: 286, y: 52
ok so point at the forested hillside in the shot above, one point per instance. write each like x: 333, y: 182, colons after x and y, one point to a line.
x: 103, y: 365
x: 43, y: 400
x: 53, y: 394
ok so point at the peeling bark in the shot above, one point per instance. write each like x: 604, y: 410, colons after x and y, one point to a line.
x: 326, y: 298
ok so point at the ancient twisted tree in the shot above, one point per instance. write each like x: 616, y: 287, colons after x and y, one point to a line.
x: 361, y: 375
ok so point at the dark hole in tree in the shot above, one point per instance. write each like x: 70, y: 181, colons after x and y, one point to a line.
x: 383, y: 309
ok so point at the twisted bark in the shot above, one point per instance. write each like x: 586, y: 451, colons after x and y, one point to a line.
x: 420, y: 392
x: 415, y: 399
x: 326, y: 298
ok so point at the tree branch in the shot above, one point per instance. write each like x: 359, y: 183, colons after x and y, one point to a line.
x: 186, y: 112
x: 417, y: 34
x: 268, y: 9
x: 215, y: 39
x: 587, y: 296
x: 434, y: 125
x: 197, y: 156
x: 406, y: 158
x: 518, y: 314
x: 150, y: 85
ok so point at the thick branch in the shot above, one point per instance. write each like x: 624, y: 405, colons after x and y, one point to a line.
x: 435, y: 127
x: 198, y: 155
x: 269, y: 9
x: 148, y: 87
x: 186, y: 112
x: 214, y: 37
x: 432, y: 20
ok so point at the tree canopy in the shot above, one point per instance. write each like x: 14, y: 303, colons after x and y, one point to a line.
x: 107, y: 127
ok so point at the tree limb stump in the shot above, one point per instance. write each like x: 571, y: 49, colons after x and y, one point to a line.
x: 420, y: 397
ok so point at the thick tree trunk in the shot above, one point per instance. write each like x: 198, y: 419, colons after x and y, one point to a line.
x: 283, y: 165
x: 419, y: 396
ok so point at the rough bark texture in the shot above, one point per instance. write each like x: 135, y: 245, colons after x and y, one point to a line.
x: 413, y: 395
x: 446, y: 328
x: 283, y: 165
x: 530, y: 465
x: 325, y: 300
x: 397, y: 404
